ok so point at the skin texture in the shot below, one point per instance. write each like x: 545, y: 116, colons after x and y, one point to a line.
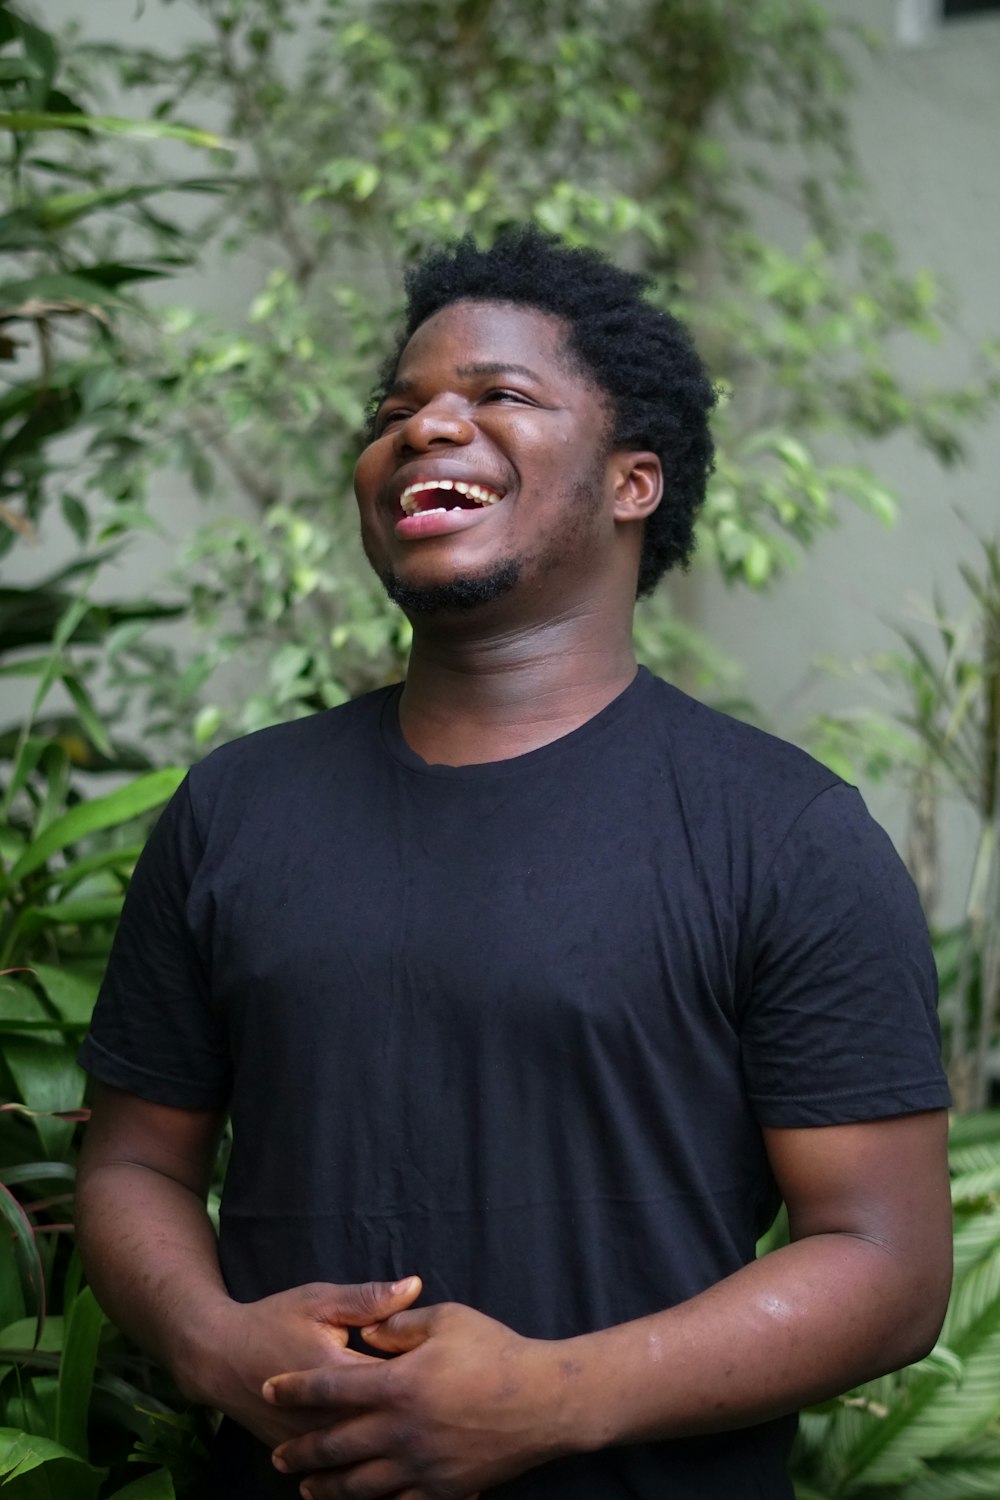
x: 466, y: 1402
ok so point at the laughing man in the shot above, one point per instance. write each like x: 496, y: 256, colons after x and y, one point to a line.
x: 533, y: 978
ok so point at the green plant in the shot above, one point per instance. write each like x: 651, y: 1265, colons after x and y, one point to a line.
x: 76, y: 1403
x: 932, y: 1432
x: 942, y: 741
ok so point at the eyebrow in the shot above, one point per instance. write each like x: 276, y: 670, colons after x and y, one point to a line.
x: 401, y: 385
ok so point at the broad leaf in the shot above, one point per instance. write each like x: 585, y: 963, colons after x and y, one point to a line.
x: 38, y: 1469
x: 72, y: 992
x: 48, y: 1081
x: 131, y: 801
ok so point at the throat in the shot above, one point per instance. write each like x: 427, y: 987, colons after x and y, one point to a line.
x: 459, y: 715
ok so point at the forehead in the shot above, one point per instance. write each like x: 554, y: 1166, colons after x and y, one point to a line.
x: 501, y: 335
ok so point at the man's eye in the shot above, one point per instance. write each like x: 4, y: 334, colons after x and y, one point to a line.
x: 503, y: 394
x: 386, y: 417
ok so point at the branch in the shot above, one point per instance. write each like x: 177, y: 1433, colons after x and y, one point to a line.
x: 263, y: 493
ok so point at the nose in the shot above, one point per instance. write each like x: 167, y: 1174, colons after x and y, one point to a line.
x: 440, y: 421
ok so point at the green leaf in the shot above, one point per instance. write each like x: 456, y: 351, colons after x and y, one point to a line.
x: 72, y: 993
x: 85, y: 911
x: 76, y: 1373
x: 66, y: 1476
x: 63, y: 209
x: 92, y: 726
x: 19, y: 1335
x: 59, y: 289
x: 157, y: 130
x: 121, y: 861
x: 129, y: 802
x: 26, y: 1257
x: 48, y: 1081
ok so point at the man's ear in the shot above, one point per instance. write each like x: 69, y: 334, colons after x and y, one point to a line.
x: 638, y: 485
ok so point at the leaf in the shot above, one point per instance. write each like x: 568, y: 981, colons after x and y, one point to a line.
x: 92, y: 726
x: 63, y: 209
x: 26, y: 1257
x: 120, y: 861
x: 72, y: 993
x: 31, y: 119
x: 67, y: 1477
x: 49, y: 1082
x: 82, y: 912
x: 129, y: 802
x: 53, y: 291
x: 76, y: 1373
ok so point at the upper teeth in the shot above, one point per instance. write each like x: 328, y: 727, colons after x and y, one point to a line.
x: 477, y: 492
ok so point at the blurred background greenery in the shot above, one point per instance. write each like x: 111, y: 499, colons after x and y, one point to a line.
x: 207, y: 212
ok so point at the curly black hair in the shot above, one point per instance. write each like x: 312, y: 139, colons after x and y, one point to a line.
x: 641, y: 358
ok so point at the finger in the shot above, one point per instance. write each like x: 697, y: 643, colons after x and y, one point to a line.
x: 403, y: 1331
x: 371, y: 1301
x: 332, y: 1447
x: 335, y: 1385
x: 370, y: 1481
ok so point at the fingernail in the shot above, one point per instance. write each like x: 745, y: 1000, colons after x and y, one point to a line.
x: 366, y: 1333
x: 268, y: 1391
x: 404, y: 1285
x: 279, y: 1464
x: 306, y: 1494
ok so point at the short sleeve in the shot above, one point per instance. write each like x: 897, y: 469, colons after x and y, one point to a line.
x: 841, y: 1021
x: 154, y: 1031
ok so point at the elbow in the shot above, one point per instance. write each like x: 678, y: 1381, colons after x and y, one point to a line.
x: 925, y: 1304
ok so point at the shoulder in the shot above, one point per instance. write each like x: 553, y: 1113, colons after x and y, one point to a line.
x: 287, y: 755
x: 733, y: 767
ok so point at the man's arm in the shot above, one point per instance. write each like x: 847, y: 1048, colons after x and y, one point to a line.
x: 860, y: 1291
x: 149, y: 1251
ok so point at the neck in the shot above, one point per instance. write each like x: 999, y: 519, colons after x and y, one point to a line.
x: 478, y: 692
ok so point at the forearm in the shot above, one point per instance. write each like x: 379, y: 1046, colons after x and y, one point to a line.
x: 149, y: 1251
x: 798, y: 1326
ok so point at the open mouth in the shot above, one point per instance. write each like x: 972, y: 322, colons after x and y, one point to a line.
x: 431, y: 496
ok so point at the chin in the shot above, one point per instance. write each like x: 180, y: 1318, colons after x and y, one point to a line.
x: 454, y: 595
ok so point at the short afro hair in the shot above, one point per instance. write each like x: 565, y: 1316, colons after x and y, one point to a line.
x: 641, y: 358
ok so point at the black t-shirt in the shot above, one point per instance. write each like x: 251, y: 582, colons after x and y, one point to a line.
x: 516, y: 1026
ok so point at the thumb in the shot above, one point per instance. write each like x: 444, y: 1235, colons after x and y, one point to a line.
x: 401, y: 1332
x: 370, y: 1301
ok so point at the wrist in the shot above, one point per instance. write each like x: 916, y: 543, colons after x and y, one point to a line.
x: 199, y: 1359
x: 588, y: 1414
x: 573, y: 1398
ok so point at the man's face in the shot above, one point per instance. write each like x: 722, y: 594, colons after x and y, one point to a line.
x: 490, y: 469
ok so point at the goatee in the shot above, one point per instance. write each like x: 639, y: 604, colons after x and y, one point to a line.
x: 459, y: 594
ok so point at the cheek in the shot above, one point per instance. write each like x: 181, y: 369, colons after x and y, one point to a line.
x: 368, y: 470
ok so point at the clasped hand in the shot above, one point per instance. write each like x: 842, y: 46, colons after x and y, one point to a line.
x: 467, y: 1404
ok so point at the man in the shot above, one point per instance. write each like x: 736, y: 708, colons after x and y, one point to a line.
x: 535, y: 979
